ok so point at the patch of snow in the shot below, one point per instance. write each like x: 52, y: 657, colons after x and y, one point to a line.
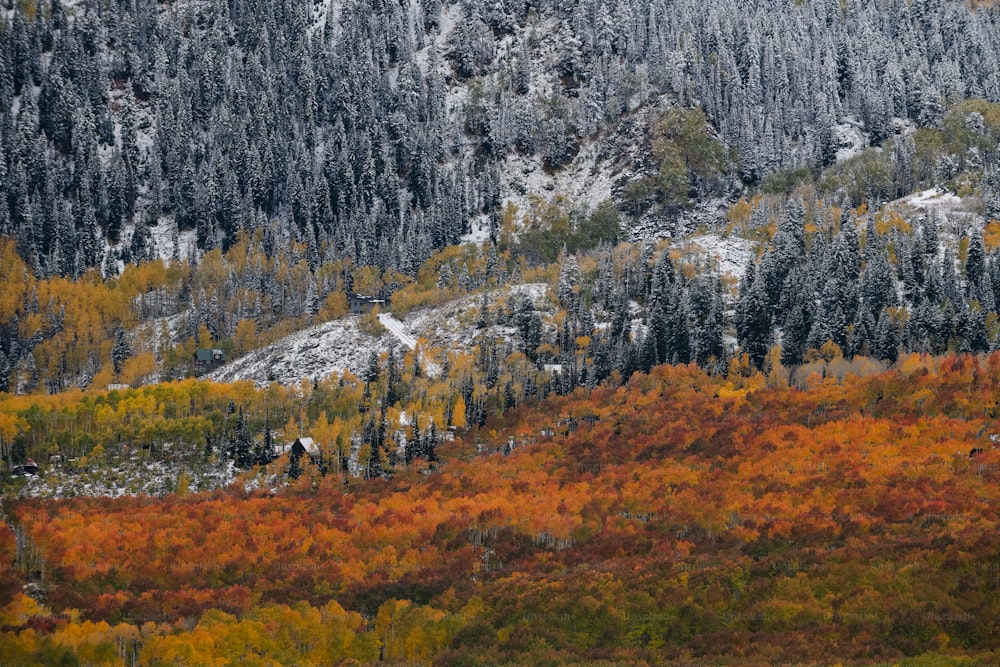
x: 707, y: 214
x: 397, y: 329
x: 164, y: 234
x: 534, y: 291
x: 323, y: 12
x: 127, y: 478
x: 314, y: 354
x: 933, y: 198
x: 480, y: 232
x: 729, y: 255
x: 850, y: 137
x: 449, y: 19
x: 953, y: 215
x: 585, y: 182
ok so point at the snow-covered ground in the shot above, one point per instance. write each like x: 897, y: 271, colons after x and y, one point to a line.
x: 397, y: 329
x: 314, y: 354
x: 165, y: 234
x: 585, y: 182
x: 935, y: 198
x: 850, y: 137
x: 127, y: 479
x: 339, y: 345
x: 323, y: 12
x: 479, y: 233
x: 728, y: 254
x: 955, y: 216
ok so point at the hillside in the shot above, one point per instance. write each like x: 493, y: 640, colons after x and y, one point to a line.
x: 679, y: 517
x: 170, y: 129
x: 242, y: 170
x: 686, y: 347
x: 340, y: 345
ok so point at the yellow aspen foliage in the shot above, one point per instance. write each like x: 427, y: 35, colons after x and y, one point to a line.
x: 104, y: 377
x: 334, y: 306
x: 291, y: 429
x: 367, y: 280
x: 777, y: 375
x: 139, y: 369
x: 458, y: 413
x: 245, y: 336
x: 20, y: 609
x: 204, y: 337
x: 991, y: 236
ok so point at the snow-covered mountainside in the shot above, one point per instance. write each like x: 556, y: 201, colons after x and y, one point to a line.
x: 131, y: 127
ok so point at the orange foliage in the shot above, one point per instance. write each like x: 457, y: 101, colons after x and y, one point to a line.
x: 841, y: 515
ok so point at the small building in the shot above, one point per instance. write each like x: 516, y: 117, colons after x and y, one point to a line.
x: 553, y: 369
x: 361, y: 304
x: 300, y: 447
x: 29, y: 467
x: 206, y: 360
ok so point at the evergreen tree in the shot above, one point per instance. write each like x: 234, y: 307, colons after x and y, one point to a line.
x: 121, y: 350
x: 242, y: 444
x: 753, y: 318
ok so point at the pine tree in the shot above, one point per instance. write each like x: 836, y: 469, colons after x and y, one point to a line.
x: 294, y: 465
x: 753, y: 318
x: 242, y: 444
x: 121, y: 350
x: 990, y: 189
x: 794, y: 334
x: 974, y: 263
x: 886, y: 344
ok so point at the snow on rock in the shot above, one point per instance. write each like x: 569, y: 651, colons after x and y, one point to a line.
x: 591, y: 178
x: 729, y: 255
x: 708, y: 214
x: 850, y: 137
x: 587, y: 181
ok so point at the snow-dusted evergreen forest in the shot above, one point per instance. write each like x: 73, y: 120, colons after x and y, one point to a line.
x: 332, y: 136
x: 376, y: 130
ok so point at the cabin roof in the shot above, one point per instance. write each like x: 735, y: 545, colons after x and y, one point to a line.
x: 366, y: 299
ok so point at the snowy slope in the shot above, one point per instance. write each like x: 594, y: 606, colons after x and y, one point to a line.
x: 601, y: 171
x: 324, y: 12
x: 339, y: 345
x: 314, y: 353
x: 397, y: 329
x: 728, y: 255
x: 955, y: 216
x: 128, y: 478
